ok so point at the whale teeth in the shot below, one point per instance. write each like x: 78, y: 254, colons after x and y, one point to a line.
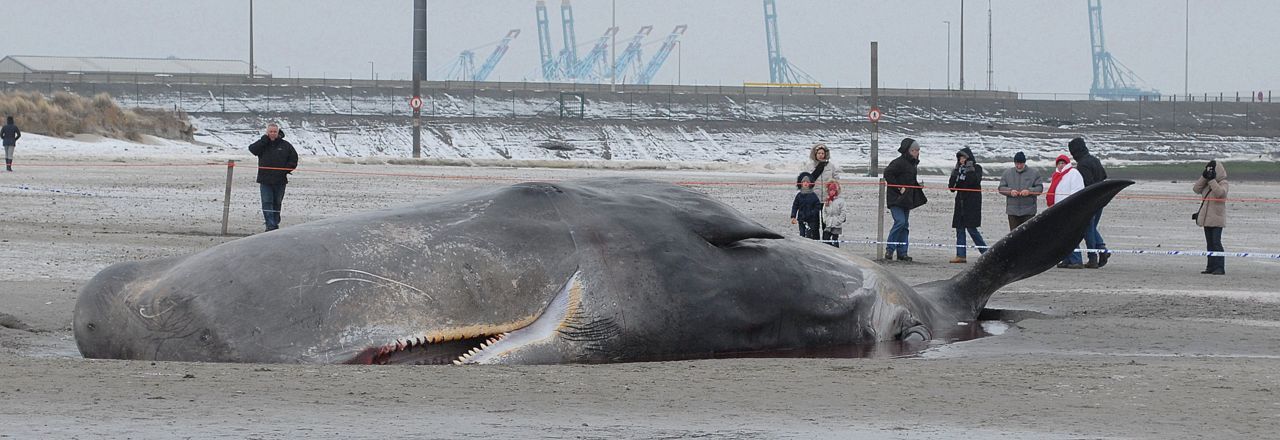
x: 457, y: 362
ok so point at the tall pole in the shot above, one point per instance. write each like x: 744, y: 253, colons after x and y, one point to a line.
x: 417, y: 117
x: 613, y: 48
x: 679, y: 63
x: 1186, y: 56
x: 251, y: 39
x: 875, y: 148
x: 961, y: 44
x: 990, y: 70
x: 948, y: 22
x: 420, y: 39
x: 371, y: 74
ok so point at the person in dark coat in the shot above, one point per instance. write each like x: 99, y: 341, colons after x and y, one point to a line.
x: 276, y: 159
x: 1092, y: 171
x: 903, y: 193
x: 10, y: 134
x: 806, y: 208
x: 966, y: 182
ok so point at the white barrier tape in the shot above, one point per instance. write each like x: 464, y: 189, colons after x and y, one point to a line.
x: 1106, y: 251
x: 54, y: 190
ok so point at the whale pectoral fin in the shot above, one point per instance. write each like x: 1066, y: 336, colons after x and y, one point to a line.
x: 1032, y: 248
x: 721, y: 232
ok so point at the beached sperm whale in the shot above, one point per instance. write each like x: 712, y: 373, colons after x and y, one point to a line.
x: 596, y: 270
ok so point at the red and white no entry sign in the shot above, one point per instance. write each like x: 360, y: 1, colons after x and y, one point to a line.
x: 415, y: 102
x: 874, y: 114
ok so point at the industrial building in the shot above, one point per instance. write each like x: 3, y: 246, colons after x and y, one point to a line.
x: 91, y: 68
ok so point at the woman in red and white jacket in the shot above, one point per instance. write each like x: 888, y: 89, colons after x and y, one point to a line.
x: 1066, y: 181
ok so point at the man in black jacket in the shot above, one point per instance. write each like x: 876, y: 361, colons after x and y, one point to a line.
x: 10, y: 133
x: 902, y: 195
x: 276, y: 159
x: 1092, y: 171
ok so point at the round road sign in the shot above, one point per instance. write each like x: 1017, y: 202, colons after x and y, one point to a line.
x: 874, y: 114
x: 415, y: 102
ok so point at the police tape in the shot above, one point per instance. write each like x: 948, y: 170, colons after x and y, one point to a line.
x: 856, y: 181
x: 1105, y: 251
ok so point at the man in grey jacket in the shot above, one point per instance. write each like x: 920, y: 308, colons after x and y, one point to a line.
x: 1021, y: 185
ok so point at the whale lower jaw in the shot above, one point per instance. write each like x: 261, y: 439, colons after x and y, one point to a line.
x: 477, y: 346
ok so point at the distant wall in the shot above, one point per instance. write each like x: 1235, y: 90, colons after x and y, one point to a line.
x: 711, y: 104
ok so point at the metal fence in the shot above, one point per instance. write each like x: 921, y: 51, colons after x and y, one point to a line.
x: 700, y: 103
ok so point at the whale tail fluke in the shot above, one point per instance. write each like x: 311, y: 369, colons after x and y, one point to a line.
x: 1032, y: 248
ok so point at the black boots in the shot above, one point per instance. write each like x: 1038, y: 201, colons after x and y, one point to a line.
x: 8, y: 164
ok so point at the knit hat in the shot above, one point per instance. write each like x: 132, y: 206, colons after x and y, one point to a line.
x: 1062, y: 158
x: 1020, y: 158
x: 803, y: 178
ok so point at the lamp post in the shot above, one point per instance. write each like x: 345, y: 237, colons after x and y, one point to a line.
x: 613, y: 47
x: 251, y: 39
x: 371, y: 74
x: 679, y: 63
x: 1186, y: 56
x: 961, y: 44
x: 948, y: 22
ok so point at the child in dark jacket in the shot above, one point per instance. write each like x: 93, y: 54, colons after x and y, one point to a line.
x: 806, y: 208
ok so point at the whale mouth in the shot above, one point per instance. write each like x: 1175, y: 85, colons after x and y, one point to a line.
x: 426, y: 350
x: 471, y: 347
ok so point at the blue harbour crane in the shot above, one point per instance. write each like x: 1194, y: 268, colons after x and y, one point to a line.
x: 630, y: 58
x: 655, y: 64
x: 568, y: 55
x: 1112, y: 80
x: 595, y: 64
x: 464, y: 67
x: 496, y: 56
x: 780, y: 71
x: 550, y: 67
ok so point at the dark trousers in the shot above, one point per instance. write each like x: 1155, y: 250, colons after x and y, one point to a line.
x: 1092, y: 238
x: 962, y: 247
x: 272, y: 202
x: 1018, y: 220
x: 1213, y: 238
x: 900, y: 232
x: 831, y: 239
x: 809, y: 230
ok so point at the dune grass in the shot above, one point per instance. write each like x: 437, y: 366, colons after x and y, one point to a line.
x: 65, y: 114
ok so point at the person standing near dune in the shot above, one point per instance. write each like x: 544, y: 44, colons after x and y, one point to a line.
x: 10, y: 135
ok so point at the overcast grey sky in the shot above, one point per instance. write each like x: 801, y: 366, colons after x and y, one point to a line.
x: 1039, y: 45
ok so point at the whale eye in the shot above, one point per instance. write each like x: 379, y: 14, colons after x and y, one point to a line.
x: 205, y: 337
x: 91, y: 326
x: 917, y: 333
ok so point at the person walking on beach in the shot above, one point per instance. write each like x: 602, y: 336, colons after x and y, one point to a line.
x: 276, y: 159
x: 903, y: 193
x: 10, y: 135
x: 1092, y: 172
